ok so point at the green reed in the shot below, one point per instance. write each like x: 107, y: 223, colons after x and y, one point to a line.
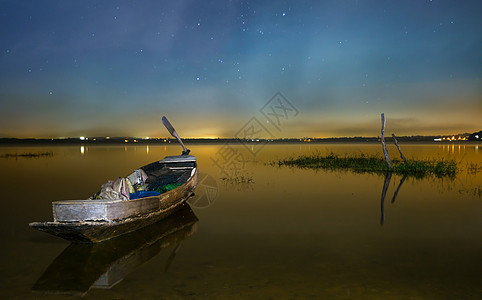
x: 363, y: 163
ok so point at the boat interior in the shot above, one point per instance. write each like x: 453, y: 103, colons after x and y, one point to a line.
x: 171, y: 170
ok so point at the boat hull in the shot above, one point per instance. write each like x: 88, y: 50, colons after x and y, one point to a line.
x: 94, y: 231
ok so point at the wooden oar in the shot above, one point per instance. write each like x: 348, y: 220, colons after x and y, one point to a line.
x: 173, y: 132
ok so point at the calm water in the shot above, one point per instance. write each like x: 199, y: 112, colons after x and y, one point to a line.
x: 287, y: 233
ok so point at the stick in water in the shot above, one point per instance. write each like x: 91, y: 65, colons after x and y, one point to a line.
x: 398, y: 147
x: 384, y: 146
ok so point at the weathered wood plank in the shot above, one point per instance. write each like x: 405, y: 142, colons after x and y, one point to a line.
x: 102, y: 210
x: 69, y: 211
x: 130, y: 208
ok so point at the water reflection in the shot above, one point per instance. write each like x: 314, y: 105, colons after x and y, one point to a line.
x: 386, y: 184
x: 314, y: 231
x: 459, y: 149
x: 398, y: 188
x: 81, y: 267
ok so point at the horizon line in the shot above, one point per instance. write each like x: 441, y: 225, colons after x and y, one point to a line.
x: 94, y: 138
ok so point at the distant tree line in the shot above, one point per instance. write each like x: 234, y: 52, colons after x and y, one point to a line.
x: 476, y: 136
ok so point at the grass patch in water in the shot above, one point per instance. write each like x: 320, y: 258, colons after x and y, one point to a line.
x: 362, y: 163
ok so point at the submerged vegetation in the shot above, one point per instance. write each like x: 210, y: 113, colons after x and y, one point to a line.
x: 240, y: 182
x: 473, y: 168
x: 362, y: 163
x: 27, y: 154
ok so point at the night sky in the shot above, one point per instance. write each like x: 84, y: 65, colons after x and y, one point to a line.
x: 113, y: 68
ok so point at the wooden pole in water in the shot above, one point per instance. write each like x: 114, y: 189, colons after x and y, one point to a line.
x: 384, y: 145
x: 398, y: 147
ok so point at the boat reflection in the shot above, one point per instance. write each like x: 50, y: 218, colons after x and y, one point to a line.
x: 81, y: 267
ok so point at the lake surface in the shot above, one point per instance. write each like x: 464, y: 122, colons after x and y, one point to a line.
x: 267, y: 232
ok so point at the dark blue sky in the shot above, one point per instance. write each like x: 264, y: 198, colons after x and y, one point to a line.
x: 72, y: 68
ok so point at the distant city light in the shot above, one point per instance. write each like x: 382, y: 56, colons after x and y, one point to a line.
x: 82, y: 138
x: 452, y: 138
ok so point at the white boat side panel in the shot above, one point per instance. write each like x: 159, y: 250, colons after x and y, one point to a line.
x: 71, y: 211
x: 178, y: 158
x: 102, y: 210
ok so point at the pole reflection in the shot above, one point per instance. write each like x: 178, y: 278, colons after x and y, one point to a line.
x: 386, y: 184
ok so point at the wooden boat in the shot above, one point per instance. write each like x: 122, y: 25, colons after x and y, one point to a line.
x: 81, y: 267
x: 91, y: 221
